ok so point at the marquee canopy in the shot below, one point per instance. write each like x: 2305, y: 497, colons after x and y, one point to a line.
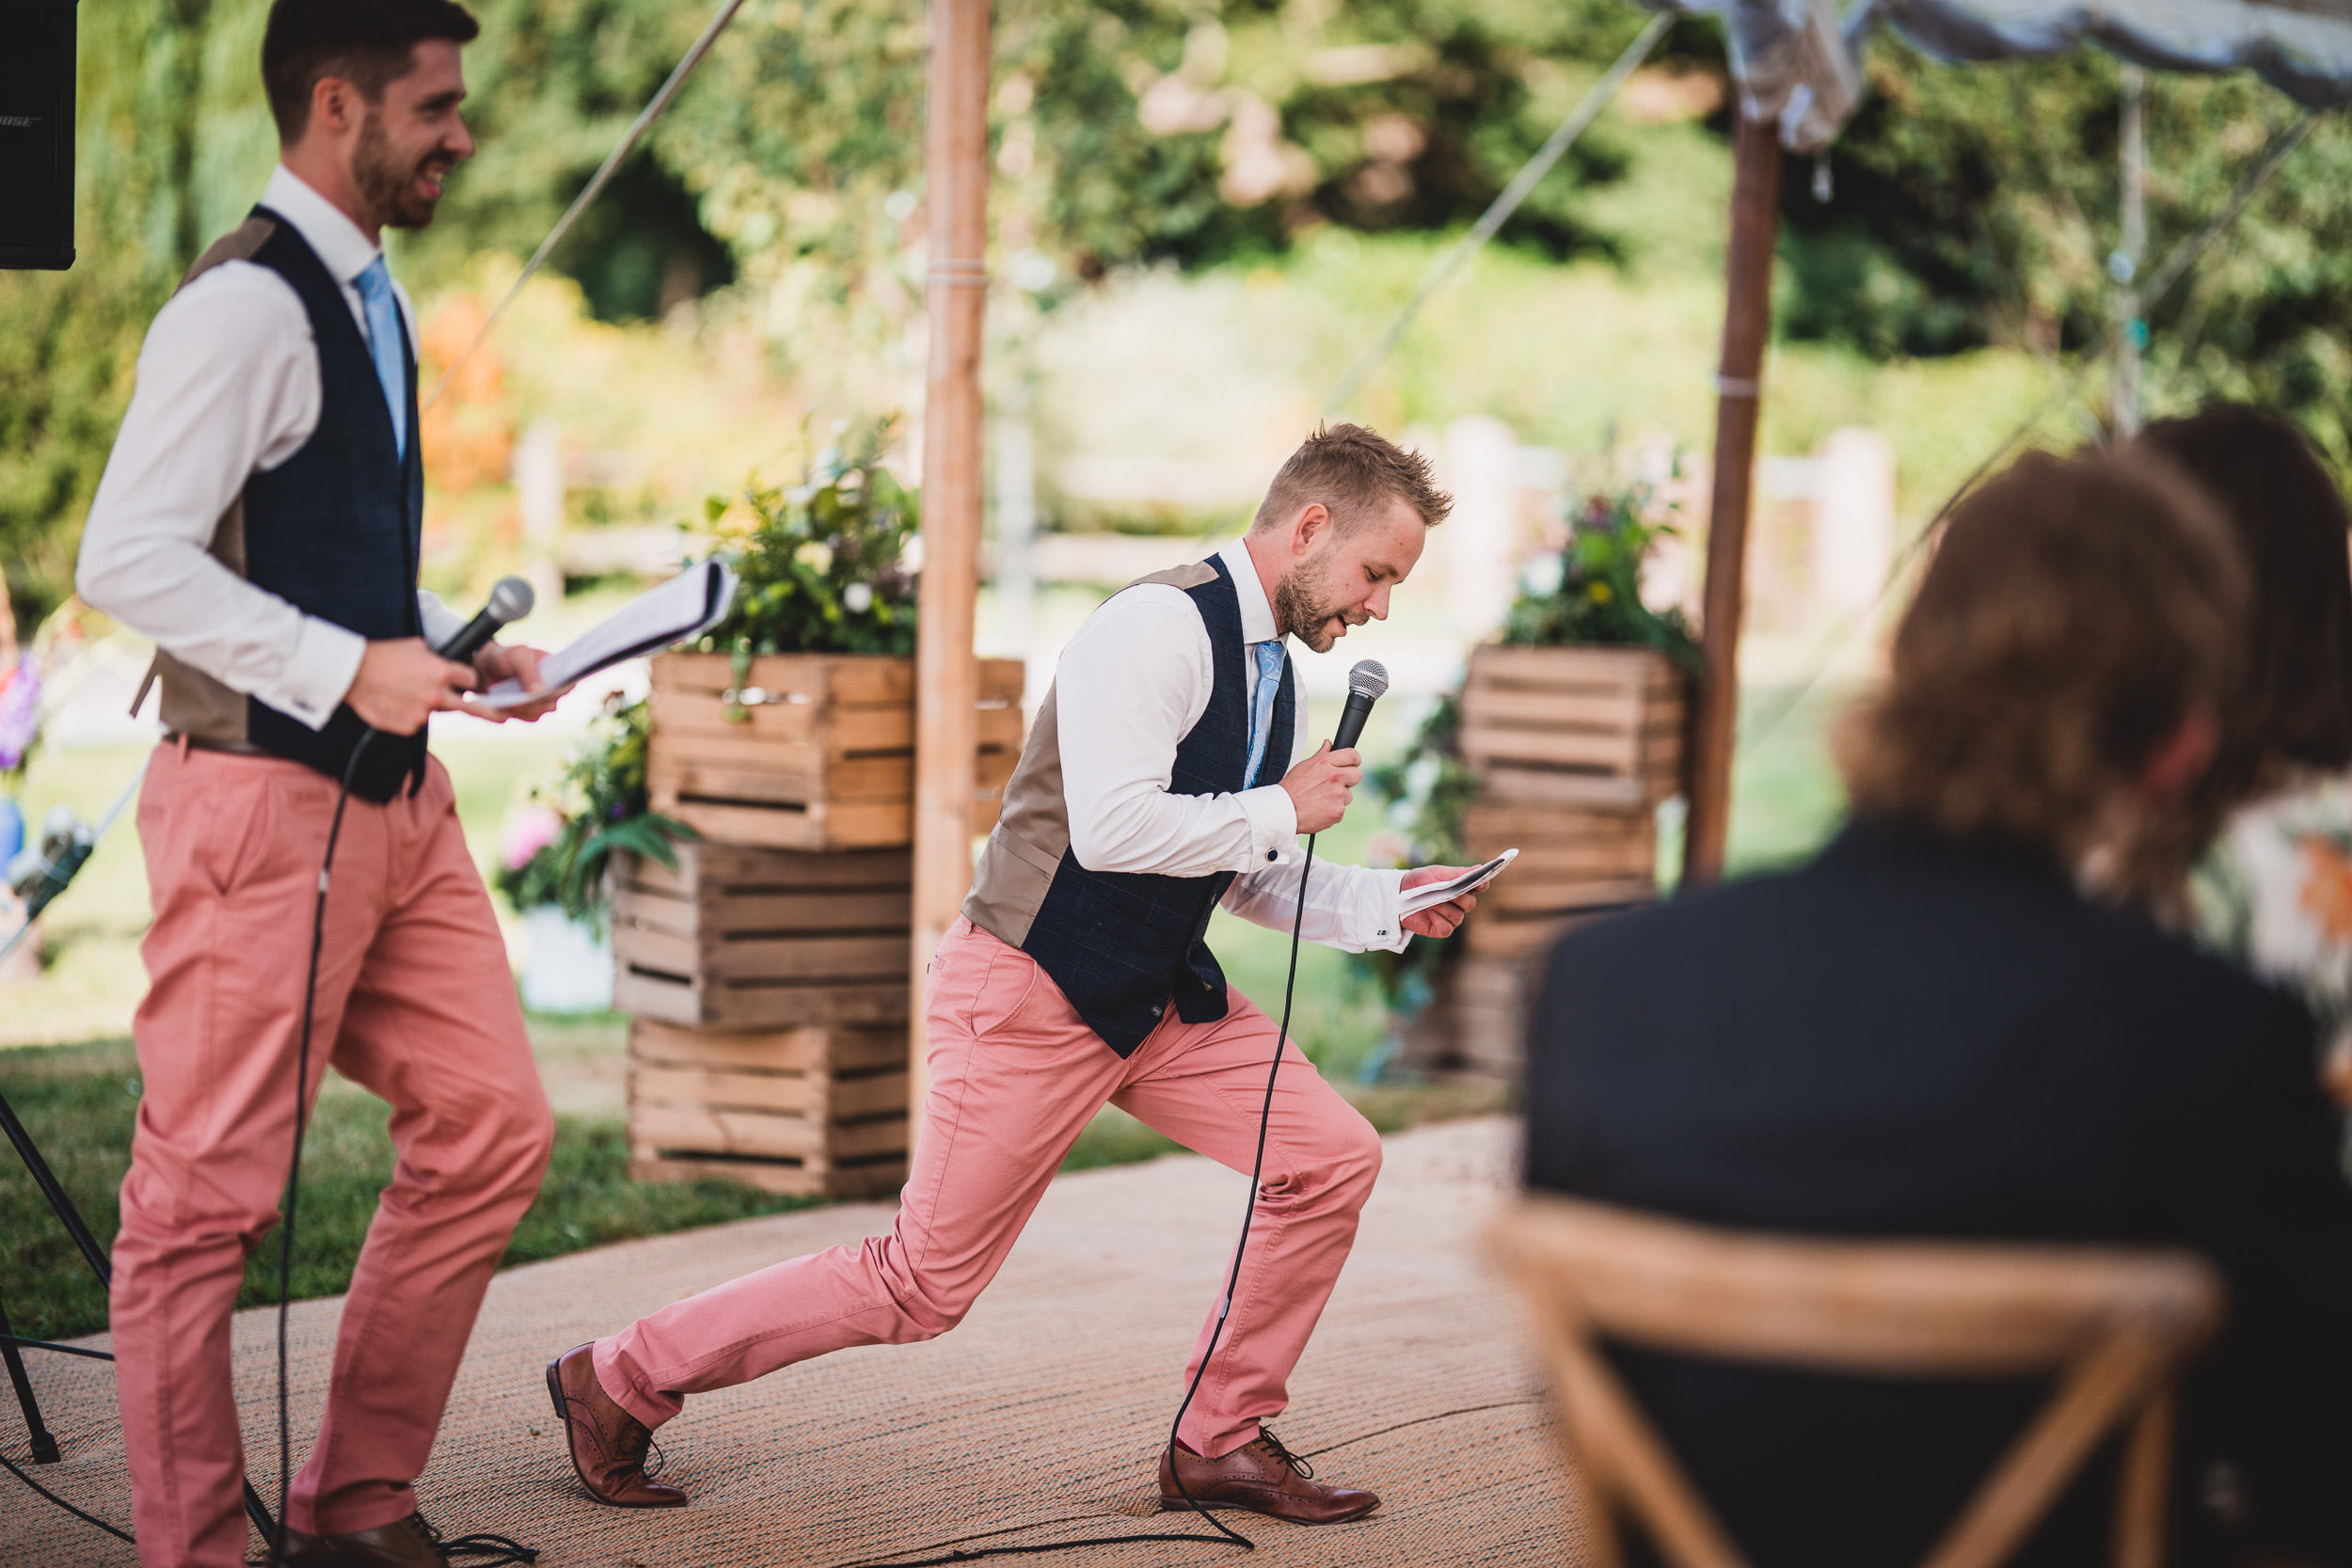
x: 1794, y: 59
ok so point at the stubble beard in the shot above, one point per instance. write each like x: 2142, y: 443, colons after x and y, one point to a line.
x: 1300, y: 612
x: 387, y: 183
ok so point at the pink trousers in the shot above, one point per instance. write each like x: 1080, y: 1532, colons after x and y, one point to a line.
x: 415, y: 1003
x: 1015, y: 1076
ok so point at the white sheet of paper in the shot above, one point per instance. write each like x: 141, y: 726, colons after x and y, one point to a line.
x: 1430, y: 895
x: 685, y: 606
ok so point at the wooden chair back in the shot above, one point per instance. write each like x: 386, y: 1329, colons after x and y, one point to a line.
x: 2114, y: 1327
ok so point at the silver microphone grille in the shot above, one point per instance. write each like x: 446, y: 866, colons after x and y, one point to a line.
x: 1370, y: 679
x: 511, y: 599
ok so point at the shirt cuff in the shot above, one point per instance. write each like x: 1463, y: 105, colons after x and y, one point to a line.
x: 1388, y: 934
x: 1273, y: 822
x: 326, y: 661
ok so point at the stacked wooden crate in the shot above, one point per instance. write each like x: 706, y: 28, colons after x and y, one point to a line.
x: 768, y: 971
x: 1573, y: 749
x: 809, y: 750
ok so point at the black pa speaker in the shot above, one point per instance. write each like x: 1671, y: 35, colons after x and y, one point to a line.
x: 37, y: 135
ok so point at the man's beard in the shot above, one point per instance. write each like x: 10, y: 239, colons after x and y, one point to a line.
x: 386, y: 184
x: 1300, y: 612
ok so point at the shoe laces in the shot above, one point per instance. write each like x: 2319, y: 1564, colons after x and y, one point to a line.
x: 635, y: 1441
x: 490, y: 1548
x: 1274, y: 1445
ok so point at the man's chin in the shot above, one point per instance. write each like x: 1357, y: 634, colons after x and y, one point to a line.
x: 414, y: 213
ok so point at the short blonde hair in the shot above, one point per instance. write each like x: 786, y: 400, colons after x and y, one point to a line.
x: 1351, y: 469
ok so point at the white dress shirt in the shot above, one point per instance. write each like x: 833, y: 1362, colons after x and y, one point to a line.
x: 1129, y: 687
x: 229, y: 384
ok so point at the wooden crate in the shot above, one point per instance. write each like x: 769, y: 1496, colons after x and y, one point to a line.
x: 818, y: 1111
x: 1594, y: 728
x: 821, y: 752
x: 746, y: 938
x: 1475, y: 1026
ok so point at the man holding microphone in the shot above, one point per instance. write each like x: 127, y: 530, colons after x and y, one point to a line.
x: 1154, y: 786
x: 259, y: 520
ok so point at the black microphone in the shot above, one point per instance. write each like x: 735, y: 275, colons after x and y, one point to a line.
x: 1366, y: 684
x: 511, y: 599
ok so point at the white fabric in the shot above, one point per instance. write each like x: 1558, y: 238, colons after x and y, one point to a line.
x: 1130, y: 686
x: 229, y: 384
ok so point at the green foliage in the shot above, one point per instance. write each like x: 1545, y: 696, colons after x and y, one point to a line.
x: 1595, y: 594
x: 819, y: 565
x: 601, y: 801
x: 1979, y: 204
x: 1429, y: 789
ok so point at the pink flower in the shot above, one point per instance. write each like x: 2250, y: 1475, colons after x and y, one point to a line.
x: 528, y: 831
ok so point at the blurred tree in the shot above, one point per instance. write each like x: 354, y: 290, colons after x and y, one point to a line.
x: 1979, y: 204
x: 551, y: 85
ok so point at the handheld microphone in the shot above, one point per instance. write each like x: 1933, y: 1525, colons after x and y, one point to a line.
x: 1366, y: 684
x: 511, y: 599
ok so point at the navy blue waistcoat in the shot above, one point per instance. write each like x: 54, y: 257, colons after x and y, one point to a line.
x: 1119, y: 943
x: 334, y: 530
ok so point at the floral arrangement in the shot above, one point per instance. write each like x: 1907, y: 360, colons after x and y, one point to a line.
x: 820, y: 566
x: 556, y: 850
x: 1588, y: 594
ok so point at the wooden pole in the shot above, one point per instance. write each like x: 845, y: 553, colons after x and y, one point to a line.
x: 946, y: 724
x: 1747, y: 327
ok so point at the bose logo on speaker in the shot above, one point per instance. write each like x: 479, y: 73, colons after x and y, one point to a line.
x: 22, y: 122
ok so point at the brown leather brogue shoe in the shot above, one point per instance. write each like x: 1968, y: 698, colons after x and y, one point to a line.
x: 1262, y: 1476
x: 408, y: 1542
x: 608, y: 1444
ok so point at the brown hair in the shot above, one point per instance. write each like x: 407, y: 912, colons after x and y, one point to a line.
x: 368, y: 44
x: 2075, y: 612
x: 2292, y: 701
x: 1351, y: 470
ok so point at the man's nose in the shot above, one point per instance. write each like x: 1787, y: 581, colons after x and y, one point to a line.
x: 459, y: 142
x: 1378, y: 605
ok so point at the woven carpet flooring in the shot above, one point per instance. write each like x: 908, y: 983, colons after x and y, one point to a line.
x: 1040, y: 1417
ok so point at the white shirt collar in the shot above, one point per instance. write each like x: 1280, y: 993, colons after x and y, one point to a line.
x: 338, y: 241
x: 1257, y: 611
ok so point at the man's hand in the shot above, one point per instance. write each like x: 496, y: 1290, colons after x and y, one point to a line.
x: 1439, y: 919
x: 401, y: 682
x: 1319, y: 786
x: 497, y: 662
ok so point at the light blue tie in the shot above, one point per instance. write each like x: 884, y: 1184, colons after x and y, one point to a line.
x: 385, y: 343
x: 1262, y: 703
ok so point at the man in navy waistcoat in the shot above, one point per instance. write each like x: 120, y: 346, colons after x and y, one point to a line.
x: 259, y: 520
x: 1155, y: 785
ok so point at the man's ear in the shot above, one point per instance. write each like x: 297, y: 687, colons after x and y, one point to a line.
x: 335, y: 105
x: 1314, y: 520
x: 2181, y: 758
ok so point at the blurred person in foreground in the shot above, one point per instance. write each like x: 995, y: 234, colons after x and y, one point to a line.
x: 259, y: 519
x: 2276, y: 892
x: 1932, y: 1030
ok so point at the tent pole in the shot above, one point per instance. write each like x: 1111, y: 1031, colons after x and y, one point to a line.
x: 1747, y: 327
x: 946, y: 728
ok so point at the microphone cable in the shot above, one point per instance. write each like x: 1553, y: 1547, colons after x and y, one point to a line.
x: 1224, y: 1307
